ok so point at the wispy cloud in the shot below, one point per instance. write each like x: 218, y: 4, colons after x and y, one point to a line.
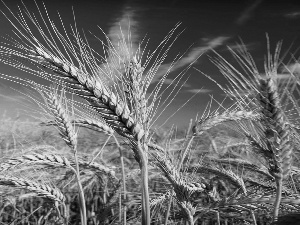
x: 199, y: 90
x: 291, y: 68
x: 207, y: 45
x: 124, y: 41
x: 248, y: 46
x: 289, y: 73
x: 126, y: 25
x: 192, y: 55
x: 284, y: 76
x: 120, y: 28
x: 239, y: 93
x: 292, y: 15
x: 246, y: 14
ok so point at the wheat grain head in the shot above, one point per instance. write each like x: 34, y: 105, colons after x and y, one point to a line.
x: 42, y: 190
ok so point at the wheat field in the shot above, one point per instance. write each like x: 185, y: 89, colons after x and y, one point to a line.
x: 94, y: 157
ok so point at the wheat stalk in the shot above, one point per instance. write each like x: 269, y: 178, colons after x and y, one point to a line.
x: 276, y: 128
x: 125, y: 110
x: 273, y: 130
x: 111, y: 108
x: 182, y: 188
x: 96, y: 167
x: 277, y: 136
x: 68, y: 134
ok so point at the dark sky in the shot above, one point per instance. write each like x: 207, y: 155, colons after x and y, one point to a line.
x: 207, y: 25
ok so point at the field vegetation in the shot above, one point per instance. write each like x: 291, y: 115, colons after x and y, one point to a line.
x: 93, y: 156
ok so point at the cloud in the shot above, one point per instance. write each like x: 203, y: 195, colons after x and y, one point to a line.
x: 199, y: 90
x: 293, y: 68
x: 288, y: 74
x: 124, y: 41
x: 120, y: 28
x: 284, y: 76
x: 287, y: 78
x: 126, y: 25
x: 240, y: 93
x: 192, y: 55
x: 248, y: 46
x: 292, y: 15
x: 208, y: 45
x: 246, y: 14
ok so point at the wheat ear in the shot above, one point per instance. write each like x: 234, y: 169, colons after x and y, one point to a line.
x: 277, y: 136
x: 183, y: 189
x: 98, y: 168
x: 215, y: 119
x: 111, y: 108
x: 53, y: 161
x: 277, y: 130
x: 244, y: 164
x: 258, y: 199
x: 69, y: 135
x: 42, y: 190
x: 156, y: 202
x: 222, y: 173
x: 61, y: 119
x: 265, y: 185
x: 87, y: 123
x: 43, y: 159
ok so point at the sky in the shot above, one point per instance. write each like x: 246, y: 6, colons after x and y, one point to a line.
x: 205, y: 26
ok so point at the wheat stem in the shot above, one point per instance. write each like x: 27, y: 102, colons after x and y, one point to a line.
x: 183, y: 155
x: 101, y: 150
x: 276, y: 135
x: 278, y: 198
x: 81, y: 193
x: 68, y: 134
x: 146, y: 218
x: 123, y: 180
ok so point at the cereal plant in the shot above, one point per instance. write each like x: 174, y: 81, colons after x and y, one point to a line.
x: 129, y: 174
